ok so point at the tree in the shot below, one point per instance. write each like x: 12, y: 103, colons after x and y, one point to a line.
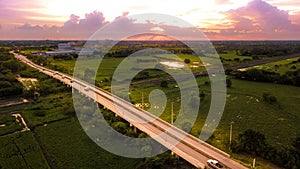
x: 236, y: 59
x: 272, y: 99
x: 296, y: 144
x: 228, y: 83
x: 121, y: 127
x: 269, y: 98
x: 252, y: 142
x: 202, y: 95
x: 187, y: 61
x: 164, y: 84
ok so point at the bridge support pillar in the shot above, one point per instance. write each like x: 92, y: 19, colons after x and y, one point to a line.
x: 100, y: 105
x: 134, y: 128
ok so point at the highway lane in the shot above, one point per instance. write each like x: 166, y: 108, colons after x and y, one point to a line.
x: 184, y: 145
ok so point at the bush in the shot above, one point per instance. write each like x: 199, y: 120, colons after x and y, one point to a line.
x: 294, y: 67
x: 207, y: 83
x: 164, y: 84
x: 252, y: 142
x: 236, y: 59
x: 272, y: 99
x: 228, y: 83
x: 40, y: 113
x: 269, y: 98
x: 187, y: 61
x: 202, y: 95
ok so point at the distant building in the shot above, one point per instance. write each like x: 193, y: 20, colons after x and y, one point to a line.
x: 39, y: 53
x: 64, y: 46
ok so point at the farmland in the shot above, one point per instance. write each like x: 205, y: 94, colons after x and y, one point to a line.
x: 57, y: 139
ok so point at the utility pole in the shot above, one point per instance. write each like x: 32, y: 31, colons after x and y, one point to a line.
x: 230, y: 134
x: 172, y: 112
x: 142, y: 99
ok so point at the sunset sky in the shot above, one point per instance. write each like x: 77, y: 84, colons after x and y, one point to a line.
x: 218, y: 19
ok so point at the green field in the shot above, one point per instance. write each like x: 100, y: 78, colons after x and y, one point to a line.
x: 8, y: 124
x: 279, y: 122
x: 70, y: 147
x: 245, y: 107
x: 232, y: 55
x: 280, y: 67
x: 109, y: 64
x: 21, y: 151
x: 48, y: 109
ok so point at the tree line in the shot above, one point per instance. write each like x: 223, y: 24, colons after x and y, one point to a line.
x: 289, y: 78
x: 255, y: 144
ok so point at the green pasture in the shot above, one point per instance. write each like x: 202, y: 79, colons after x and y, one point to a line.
x: 21, y: 151
x: 70, y: 147
x: 280, y: 67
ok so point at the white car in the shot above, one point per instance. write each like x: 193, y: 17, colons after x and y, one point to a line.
x: 214, y: 164
x: 86, y: 88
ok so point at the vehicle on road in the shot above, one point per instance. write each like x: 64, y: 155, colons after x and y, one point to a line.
x: 214, y: 164
x: 86, y: 88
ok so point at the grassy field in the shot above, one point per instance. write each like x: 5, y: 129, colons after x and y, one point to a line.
x: 280, y: 67
x: 8, y: 124
x: 70, y: 147
x: 50, y: 108
x: 232, y: 55
x: 245, y: 107
x: 21, y: 151
x: 109, y: 64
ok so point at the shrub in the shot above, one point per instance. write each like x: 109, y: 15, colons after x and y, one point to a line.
x: 236, y: 59
x: 228, y: 83
x: 294, y: 67
x: 272, y: 99
x: 187, y: 61
x: 202, y: 95
x: 40, y: 113
x: 164, y: 84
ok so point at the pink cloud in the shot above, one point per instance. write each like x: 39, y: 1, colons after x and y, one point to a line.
x: 82, y: 28
x: 259, y: 20
x: 77, y: 28
x: 27, y: 26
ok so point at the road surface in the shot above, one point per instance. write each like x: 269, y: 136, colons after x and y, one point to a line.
x: 181, y: 143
